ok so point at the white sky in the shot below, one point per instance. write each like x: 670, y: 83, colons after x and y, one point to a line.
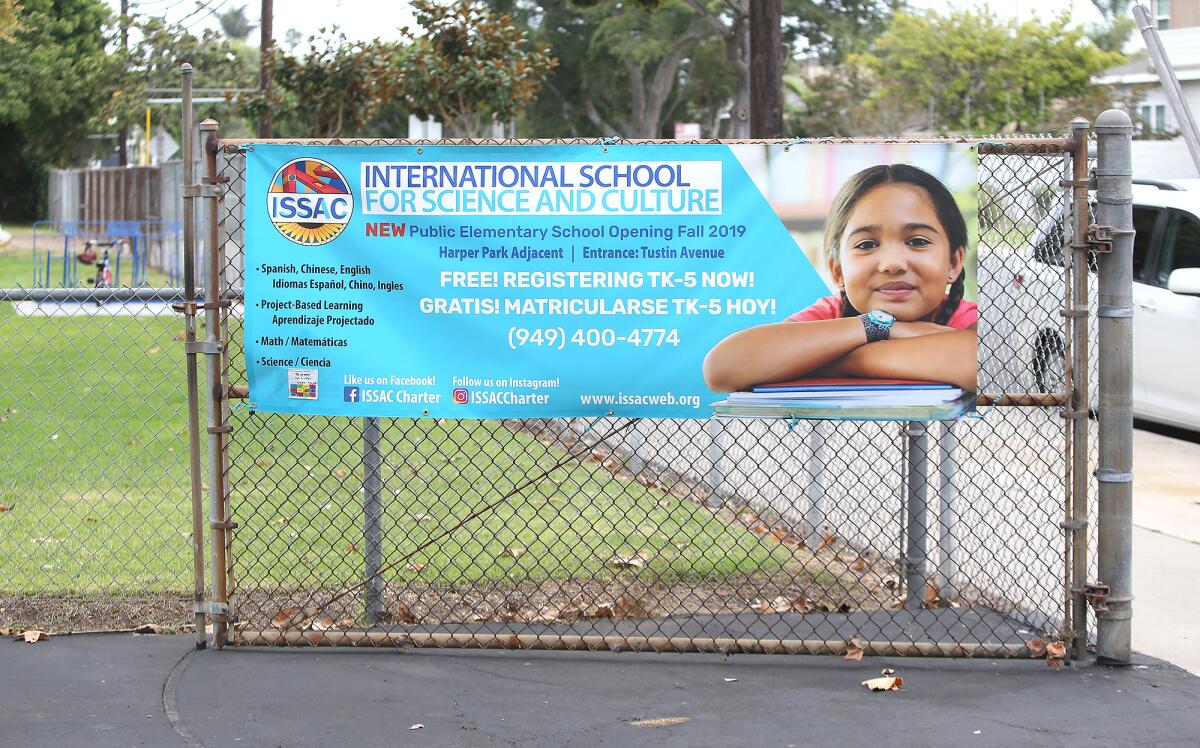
x: 366, y: 19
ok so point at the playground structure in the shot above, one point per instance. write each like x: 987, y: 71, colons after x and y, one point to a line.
x: 137, y: 211
x: 135, y: 247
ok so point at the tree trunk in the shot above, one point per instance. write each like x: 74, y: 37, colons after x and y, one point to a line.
x: 766, y: 69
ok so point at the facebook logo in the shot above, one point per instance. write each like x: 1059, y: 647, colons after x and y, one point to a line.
x: 350, y: 394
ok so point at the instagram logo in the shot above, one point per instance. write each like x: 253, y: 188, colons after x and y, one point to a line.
x: 462, y: 396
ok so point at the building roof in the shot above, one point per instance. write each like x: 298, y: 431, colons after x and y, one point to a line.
x: 1183, y: 50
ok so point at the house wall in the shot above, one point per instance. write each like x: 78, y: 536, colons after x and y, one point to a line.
x: 1184, y: 13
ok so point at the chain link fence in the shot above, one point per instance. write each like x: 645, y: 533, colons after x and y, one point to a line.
x: 94, y: 508
x: 951, y: 538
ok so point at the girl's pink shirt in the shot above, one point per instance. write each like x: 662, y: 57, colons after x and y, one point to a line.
x: 830, y: 307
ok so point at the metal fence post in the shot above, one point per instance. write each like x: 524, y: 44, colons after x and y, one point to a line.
x: 193, y: 386
x: 372, y: 520
x: 947, y: 510
x: 916, y: 555
x: 1077, y: 411
x: 1114, y: 208
x: 213, y: 347
x: 715, y: 453
x: 814, y: 488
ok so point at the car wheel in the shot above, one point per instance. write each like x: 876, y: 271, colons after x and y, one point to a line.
x: 1049, y: 361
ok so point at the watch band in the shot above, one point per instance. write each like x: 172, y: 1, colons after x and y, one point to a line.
x: 875, y: 331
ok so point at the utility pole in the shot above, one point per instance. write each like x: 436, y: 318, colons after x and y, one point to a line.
x: 122, y: 154
x: 766, y: 69
x: 264, y: 68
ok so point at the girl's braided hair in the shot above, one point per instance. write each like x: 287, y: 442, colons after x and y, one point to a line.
x: 947, y: 211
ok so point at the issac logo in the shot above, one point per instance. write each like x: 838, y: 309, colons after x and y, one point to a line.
x: 309, y: 202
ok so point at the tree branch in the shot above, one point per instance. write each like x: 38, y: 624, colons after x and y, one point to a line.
x: 597, y: 119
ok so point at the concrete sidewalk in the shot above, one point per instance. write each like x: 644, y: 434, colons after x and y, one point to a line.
x: 119, y: 690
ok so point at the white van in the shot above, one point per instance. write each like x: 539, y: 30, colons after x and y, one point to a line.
x: 1028, y: 288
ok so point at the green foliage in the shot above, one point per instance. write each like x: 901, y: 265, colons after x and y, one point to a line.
x: 234, y: 24
x: 156, y: 51
x: 334, y: 89
x: 469, y: 67
x: 983, y: 74
x: 52, y: 81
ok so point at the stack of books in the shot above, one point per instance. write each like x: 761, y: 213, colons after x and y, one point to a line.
x: 851, y: 399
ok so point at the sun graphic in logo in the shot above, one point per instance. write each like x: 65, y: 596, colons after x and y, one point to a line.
x: 309, y: 201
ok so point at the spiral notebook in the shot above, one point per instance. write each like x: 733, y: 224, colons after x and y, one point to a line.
x: 849, y: 399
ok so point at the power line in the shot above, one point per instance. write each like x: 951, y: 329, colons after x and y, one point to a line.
x: 199, y: 9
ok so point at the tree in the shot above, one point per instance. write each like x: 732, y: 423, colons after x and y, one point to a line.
x: 235, y: 25
x: 981, y: 74
x: 469, y: 67
x: 52, y: 83
x: 824, y: 29
x: 333, y: 90
x: 156, y: 51
x: 1113, y: 33
x: 631, y: 79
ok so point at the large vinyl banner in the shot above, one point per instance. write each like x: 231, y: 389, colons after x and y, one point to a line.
x: 636, y: 280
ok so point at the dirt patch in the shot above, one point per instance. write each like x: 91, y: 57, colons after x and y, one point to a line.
x: 59, y: 613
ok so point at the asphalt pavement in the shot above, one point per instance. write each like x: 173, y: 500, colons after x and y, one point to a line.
x: 122, y: 690
x: 1166, y: 545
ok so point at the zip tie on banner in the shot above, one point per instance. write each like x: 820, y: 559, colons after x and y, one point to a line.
x: 987, y: 142
x: 981, y: 413
x: 610, y: 141
x: 793, y: 423
x: 244, y: 147
x: 594, y: 421
x: 252, y: 407
x: 797, y: 141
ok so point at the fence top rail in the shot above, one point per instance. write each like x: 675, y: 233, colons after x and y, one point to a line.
x: 992, y: 145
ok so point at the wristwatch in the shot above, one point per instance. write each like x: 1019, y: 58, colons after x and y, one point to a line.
x: 878, y: 325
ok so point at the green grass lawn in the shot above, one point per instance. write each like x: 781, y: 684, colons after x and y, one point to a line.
x: 93, y: 454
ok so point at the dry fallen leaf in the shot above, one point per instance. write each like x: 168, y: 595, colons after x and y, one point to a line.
x: 404, y: 615
x: 416, y: 566
x: 631, y: 561
x: 340, y: 473
x: 600, y: 610
x: 146, y: 628
x: 760, y: 528
x: 828, y: 539
x: 629, y: 606
x: 323, y: 624
x: 420, y: 517
x: 284, y: 617
x: 659, y: 722
x: 351, y: 548
x: 180, y: 335
x: 514, y: 551
x: 933, y: 595
x: 884, y: 683
x: 855, y: 647
x: 1056, y: 652
x: 1037, y: 648
x: 34, y: 636
x: 152, y: 349
x: 859, y: 565
x: 6, y: 507
x: 760, y: 606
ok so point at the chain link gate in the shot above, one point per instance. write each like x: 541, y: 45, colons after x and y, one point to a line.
x: 965, y: 538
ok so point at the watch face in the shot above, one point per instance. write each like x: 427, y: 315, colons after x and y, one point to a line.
x: 882, y: 317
